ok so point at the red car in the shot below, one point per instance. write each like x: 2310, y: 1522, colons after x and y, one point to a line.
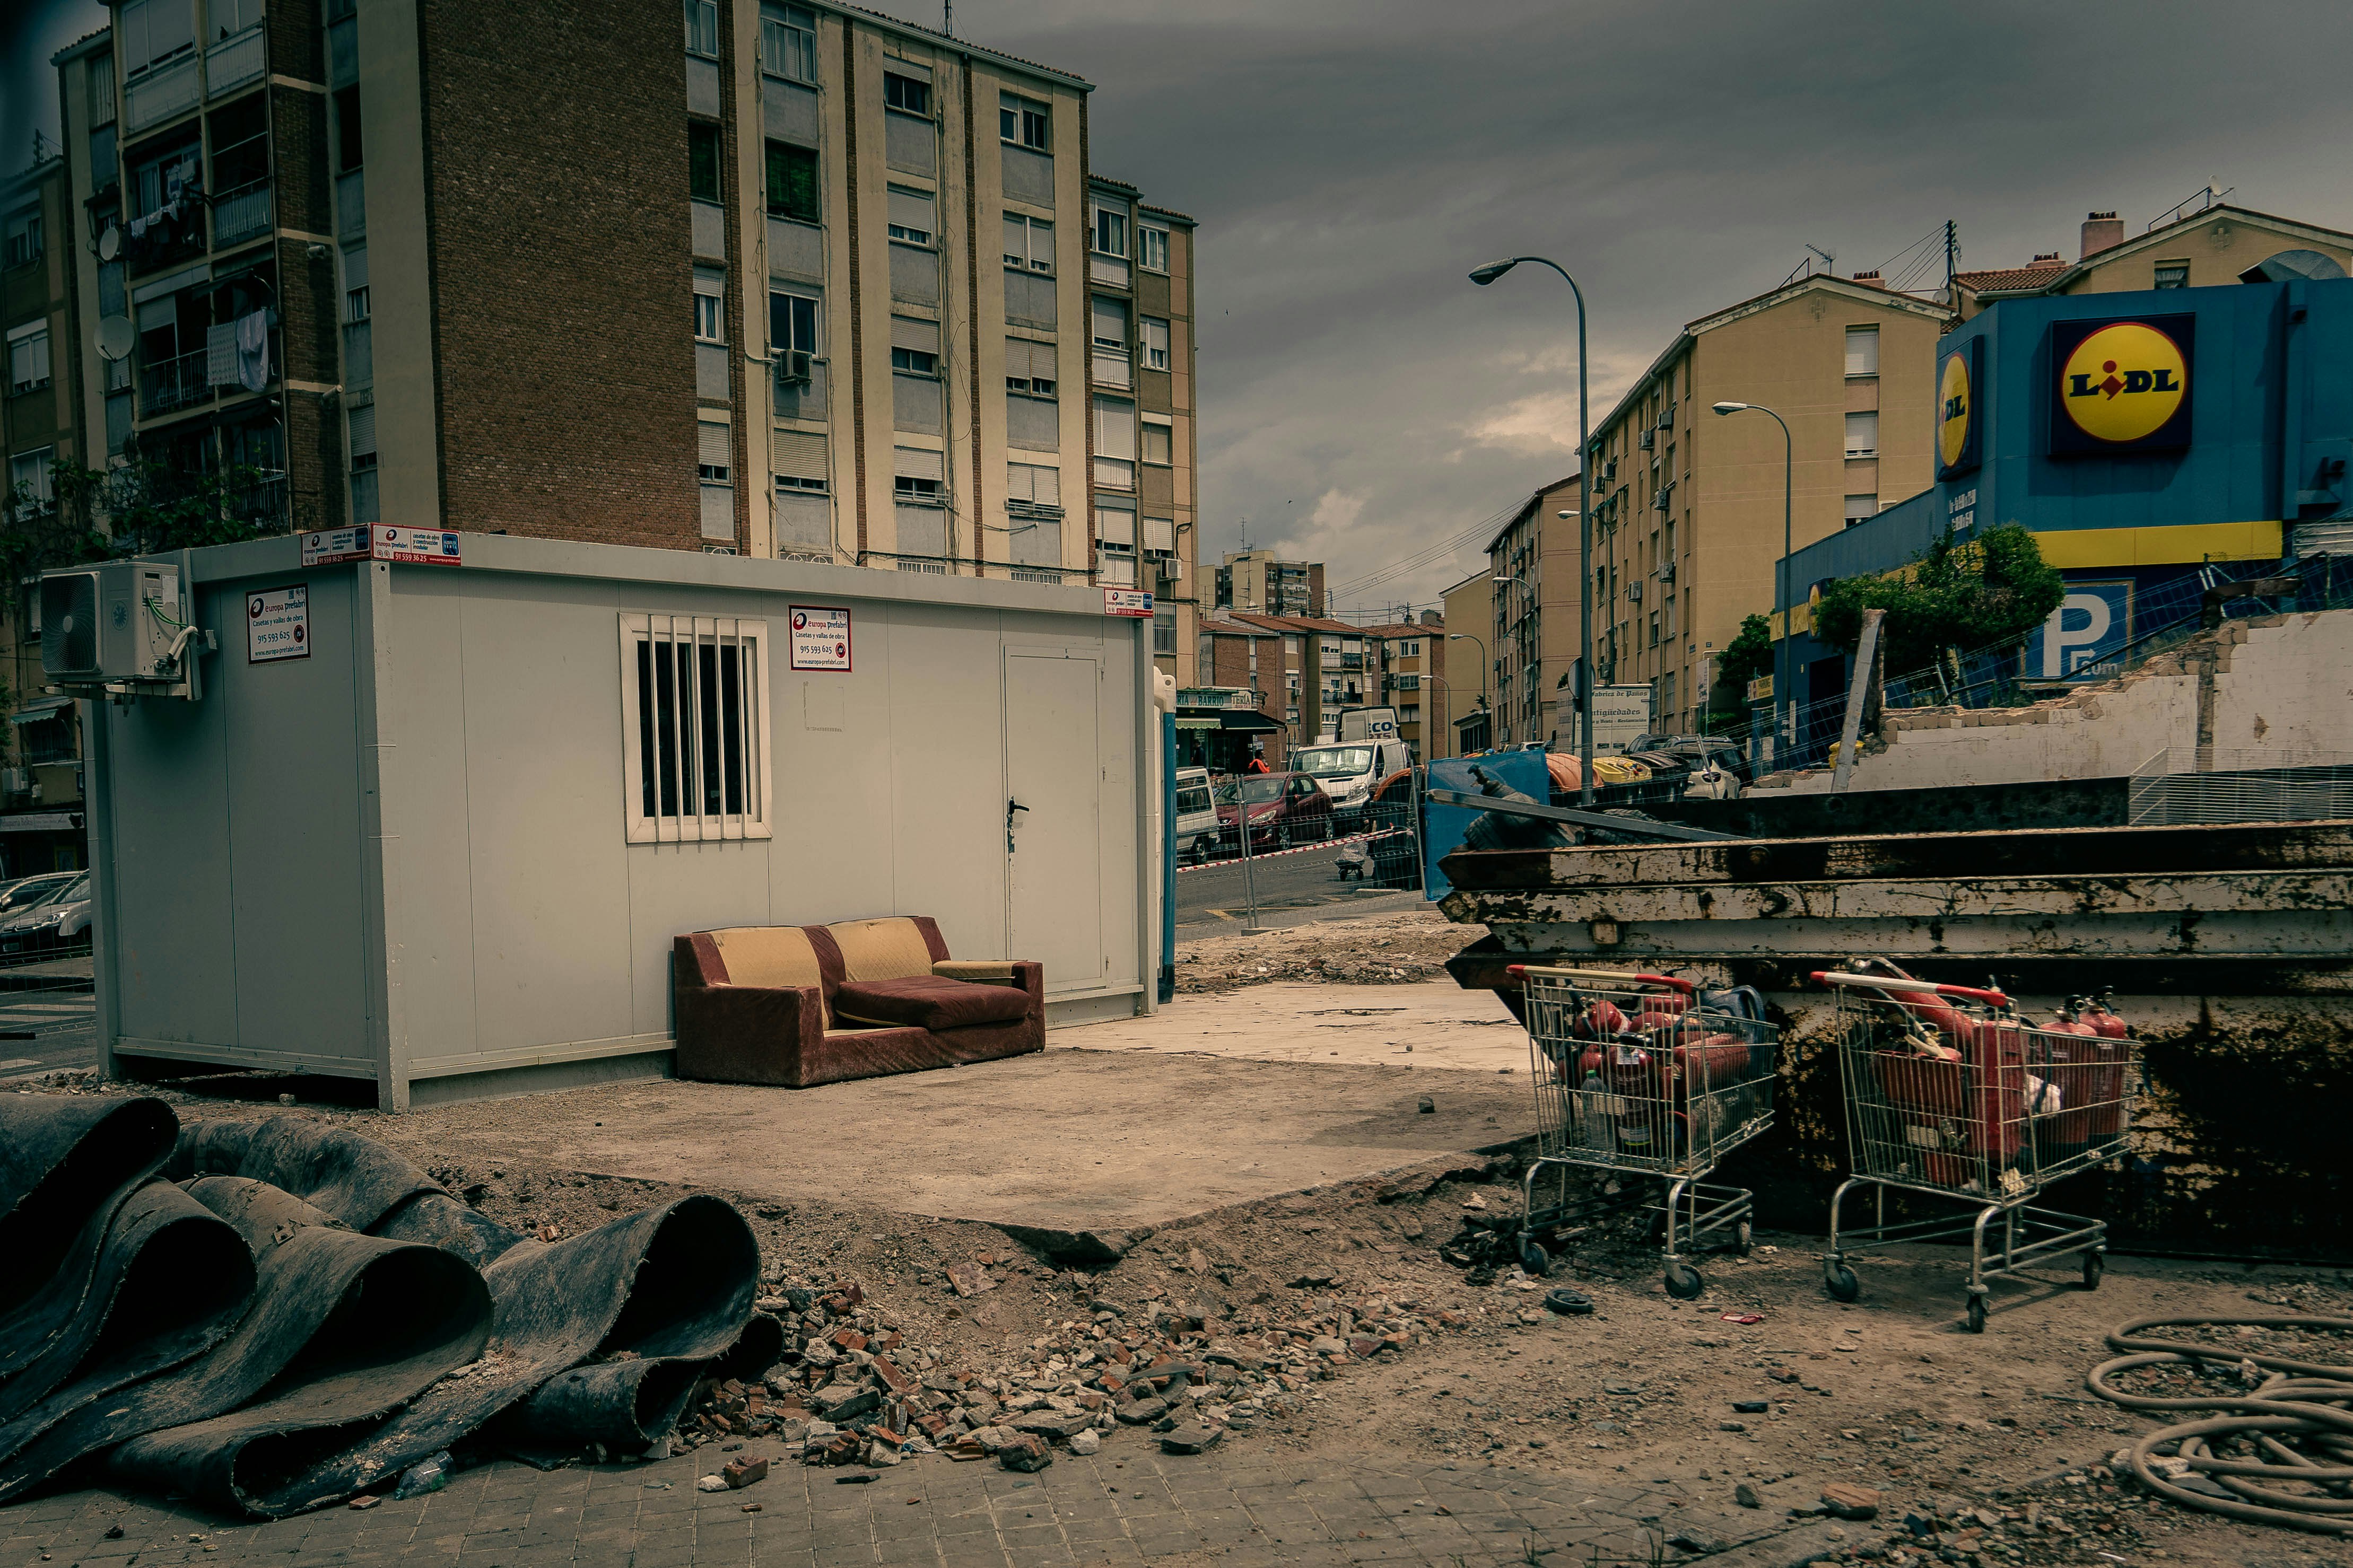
x: 1284, y: 809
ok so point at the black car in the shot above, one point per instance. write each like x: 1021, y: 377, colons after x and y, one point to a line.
x: 1698, y: 751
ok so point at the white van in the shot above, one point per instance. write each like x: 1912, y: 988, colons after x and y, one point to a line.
x: 1349, y: 769
x: 1197, y: 816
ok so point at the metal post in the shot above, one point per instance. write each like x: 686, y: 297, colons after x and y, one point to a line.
x: 1167, y: 856
x: 1250, y: 877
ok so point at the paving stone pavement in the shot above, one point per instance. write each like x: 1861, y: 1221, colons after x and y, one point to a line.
x: 1129, y: 1504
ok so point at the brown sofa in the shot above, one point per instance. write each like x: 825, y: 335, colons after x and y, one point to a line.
x: 800, y: 1005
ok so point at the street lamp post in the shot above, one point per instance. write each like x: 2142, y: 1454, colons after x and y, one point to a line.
x: 1484, y: 670
x: 1784, y: 698
x: 1482, y: 277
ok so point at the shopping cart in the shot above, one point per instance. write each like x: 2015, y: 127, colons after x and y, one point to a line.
x: 1634, y: 1075
x: 1951, y: 1095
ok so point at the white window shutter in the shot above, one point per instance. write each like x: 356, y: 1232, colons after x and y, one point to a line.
x: 799, y: 455
x: 917, y: 463
x: 906, y: 333
x: 712, y: 447
x: 363, y: 432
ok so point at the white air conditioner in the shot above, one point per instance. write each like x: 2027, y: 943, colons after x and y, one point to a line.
x: 1666, y: 570
x: 1648, y: 440
x: 1608, y: 470
x: 120, y: 625
x: 1635, y: 590
x: 793, y: 368
x: 1667, y: 417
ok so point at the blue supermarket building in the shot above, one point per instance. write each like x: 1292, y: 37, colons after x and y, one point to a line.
x: 2155, y: 443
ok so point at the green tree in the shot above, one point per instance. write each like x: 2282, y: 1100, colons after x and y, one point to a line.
x: 1958, y: 594
x: 1747, y: 657
x: 138, y: 507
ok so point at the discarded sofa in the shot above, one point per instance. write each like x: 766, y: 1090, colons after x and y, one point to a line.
x: 801, y: 1005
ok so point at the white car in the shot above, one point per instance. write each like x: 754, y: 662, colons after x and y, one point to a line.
x: 58, y: 920
x: 1197, y: 816
x: 1349, y: 769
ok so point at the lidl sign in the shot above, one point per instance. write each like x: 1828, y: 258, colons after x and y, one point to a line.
x: 1956, y: 410
x: 2121, y: 385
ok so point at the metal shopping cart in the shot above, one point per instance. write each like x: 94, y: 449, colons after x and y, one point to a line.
x: 1634, y: 1075
x: 1951, y: 1095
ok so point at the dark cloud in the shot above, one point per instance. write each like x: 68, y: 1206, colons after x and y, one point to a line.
x: 30, y: 32
x: 1350, y: 163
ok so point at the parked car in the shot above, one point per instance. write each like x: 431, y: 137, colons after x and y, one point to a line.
x: 1726, y: 753
x: 1284, y: 809
x: 1349, y: 770
x: 60, y: 920
x: 26, y: 891
x: 1197, y: 816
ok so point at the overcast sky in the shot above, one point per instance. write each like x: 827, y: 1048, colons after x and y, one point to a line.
x: 1360, y: 400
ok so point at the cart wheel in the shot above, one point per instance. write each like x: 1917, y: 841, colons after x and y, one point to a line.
x: 1977, y: 1315
x: 1684, y: 1281
x: 2095, y: 1265
x: 1841, y: 1282
x: 1535, y: 1258
x: 1743, y: 1238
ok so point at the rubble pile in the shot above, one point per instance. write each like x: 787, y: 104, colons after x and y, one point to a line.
x: 851, y: 1388
x: 1395, y: 950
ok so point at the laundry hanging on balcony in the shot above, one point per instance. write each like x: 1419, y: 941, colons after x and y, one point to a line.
x: 253, y: 350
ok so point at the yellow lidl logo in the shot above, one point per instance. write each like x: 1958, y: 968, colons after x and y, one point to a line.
x: 2124, y: 383
x: 1954, y: 397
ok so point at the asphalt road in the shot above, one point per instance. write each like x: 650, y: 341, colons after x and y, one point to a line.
x: 1302, y: 885
x: 41, y: 1031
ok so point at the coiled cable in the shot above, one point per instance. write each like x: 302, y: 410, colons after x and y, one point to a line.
x: 2301, y: 1402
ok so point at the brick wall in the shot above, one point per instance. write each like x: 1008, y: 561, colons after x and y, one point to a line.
x: 306, y: 313
x: 555, y: 189
x: 314, y: 447
x: 297, y: 47
x: 297, y: 147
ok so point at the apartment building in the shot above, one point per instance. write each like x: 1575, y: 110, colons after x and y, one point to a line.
x: 2202, y: 243
x: 1140, y: 388
x: 800, y: 280
x: 1255, y: 580
x: 1531, y: 633
x: 1408, y: 665
x: 41, y: 781
x: 1467, y: 723
x: 1270, y: 664
x: 1688, y: 506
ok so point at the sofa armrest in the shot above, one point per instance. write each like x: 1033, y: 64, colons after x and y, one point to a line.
x: 979, y: 970
x: 747, y: 1033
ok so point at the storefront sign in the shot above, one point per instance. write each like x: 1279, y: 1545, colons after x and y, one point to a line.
x: 1132, y: 602
x: 1621, y: 715
x: 330, y: 545
x: 2092, y: 621
x: 1956, y: 410
x: 417, y: 546
x: 277, y: 624
x: 2121, y: 385
x: 821, y: 637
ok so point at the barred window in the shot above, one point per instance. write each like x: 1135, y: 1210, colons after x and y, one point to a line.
x: 694, y: 701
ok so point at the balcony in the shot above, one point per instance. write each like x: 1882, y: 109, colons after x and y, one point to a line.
x: 261, y: 503
x: 241, y: 214
x: 163, y: 240
x: 231, y: 64
x: 161, y: 93
x: 169, y: 385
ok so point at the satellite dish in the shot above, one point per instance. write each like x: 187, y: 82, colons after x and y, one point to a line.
x: 109, y: 242
x: 116, y: 338
x: 2291, y: 265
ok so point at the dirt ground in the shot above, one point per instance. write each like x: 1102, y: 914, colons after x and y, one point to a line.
x: 1375, y: 950
x: 1988, y: 1443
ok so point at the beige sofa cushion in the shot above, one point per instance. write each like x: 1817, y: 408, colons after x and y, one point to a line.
x: 887, y: 949
x: 773, y: 956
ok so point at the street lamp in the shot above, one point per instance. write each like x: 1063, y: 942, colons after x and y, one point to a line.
x: 1482, y: 277
x: 1782, y: 694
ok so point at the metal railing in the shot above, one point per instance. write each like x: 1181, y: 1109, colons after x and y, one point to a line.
x: 2186, y: 785
x: 167, y: 385
x: 241, y: 214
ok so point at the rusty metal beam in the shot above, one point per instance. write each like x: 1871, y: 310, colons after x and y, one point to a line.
x: 1641, y: 826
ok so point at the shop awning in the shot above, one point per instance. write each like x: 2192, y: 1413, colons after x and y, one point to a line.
x: 40, y: 708
x: 1233, y: 721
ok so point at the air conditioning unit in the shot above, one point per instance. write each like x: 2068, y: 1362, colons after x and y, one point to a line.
x: 1648, y: 440
x: 1667, y: 417
x: 120, y: 625
x: 15, y: 780
x: 793, y: 368
x: 1666, y: 570
x: 1635, y: 590
x: 1608, y: 470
